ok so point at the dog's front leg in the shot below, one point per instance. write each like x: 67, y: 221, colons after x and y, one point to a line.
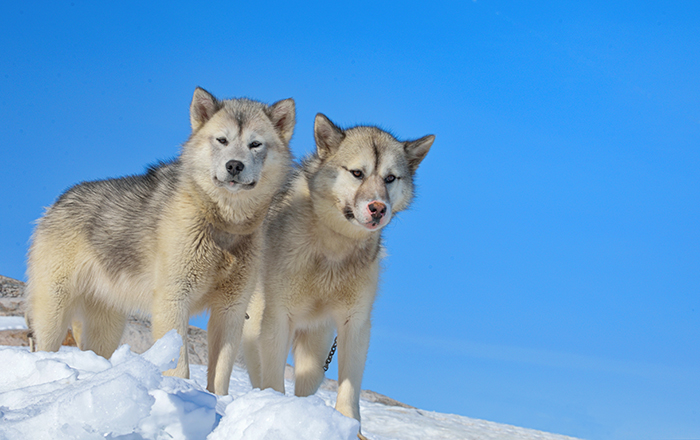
x: 275, y: 339
x: 223, y: 337
x: 353, y: 343
x: 171, y: 310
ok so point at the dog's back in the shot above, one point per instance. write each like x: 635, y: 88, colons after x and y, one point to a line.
x: 115, y: 219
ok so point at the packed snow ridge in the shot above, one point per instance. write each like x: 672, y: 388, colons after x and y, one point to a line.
x: 75, y: 394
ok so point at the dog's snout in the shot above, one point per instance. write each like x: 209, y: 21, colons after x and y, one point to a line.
x: 377, y: 210
x: 234, y: 167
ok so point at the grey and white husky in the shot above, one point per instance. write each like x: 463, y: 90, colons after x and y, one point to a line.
x: 178, y: 239
x: 321, y: 258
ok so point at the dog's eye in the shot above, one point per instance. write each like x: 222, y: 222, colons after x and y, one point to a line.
x: 222, y: 140
x: 390, y: 178
x: 254, y: 144
x: 358, y: 173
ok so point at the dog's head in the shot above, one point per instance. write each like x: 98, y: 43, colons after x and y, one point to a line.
x: 239, y: 142
x: 365, y: 175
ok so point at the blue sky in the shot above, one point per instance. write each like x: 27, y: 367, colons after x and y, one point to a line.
x: 548, y: 273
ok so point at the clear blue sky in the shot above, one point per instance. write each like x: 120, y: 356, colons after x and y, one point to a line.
x: 548, y: 274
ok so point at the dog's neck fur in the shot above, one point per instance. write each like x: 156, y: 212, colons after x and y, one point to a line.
x: 336, y: 245
x: 237, y: 214
x: 334, y: 237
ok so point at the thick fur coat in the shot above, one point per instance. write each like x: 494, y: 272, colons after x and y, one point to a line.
x: 183, y: 237
x: 321, y: 258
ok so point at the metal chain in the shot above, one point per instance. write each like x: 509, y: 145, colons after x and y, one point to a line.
x: 330, y: 355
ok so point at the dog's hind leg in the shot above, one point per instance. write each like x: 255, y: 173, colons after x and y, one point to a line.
x: 310, y: 353
x: 77, y: 330
x: 51, y: 312
x: 102, y: 328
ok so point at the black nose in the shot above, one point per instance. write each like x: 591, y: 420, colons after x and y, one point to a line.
x: 234, y: 167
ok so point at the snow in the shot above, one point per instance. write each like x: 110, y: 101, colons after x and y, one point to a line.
x: 12, y: 323
x: 270, y: 415
x: 75, y: 394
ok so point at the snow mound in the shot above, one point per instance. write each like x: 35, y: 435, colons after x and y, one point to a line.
x: 270, y: 415
x: 74, y: 394
x: 78, y: 395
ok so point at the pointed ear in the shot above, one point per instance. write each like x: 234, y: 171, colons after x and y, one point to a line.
x: 328, y: 136
x: 416, y: 150
x: 202, y: 108
x: 283, y: 117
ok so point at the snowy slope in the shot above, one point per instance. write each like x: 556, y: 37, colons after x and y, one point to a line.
x: 79, y: 395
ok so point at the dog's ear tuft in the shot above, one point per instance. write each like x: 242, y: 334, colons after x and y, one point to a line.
x: 202, y: 108
x: 416, y: 150
x: 328, y: 136
x: 283, y: 117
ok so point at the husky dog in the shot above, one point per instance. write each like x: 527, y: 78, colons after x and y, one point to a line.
x: 178, y: 239
x: 321, y: 258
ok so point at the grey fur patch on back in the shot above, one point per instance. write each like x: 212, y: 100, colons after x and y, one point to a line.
x: 117, y: 215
